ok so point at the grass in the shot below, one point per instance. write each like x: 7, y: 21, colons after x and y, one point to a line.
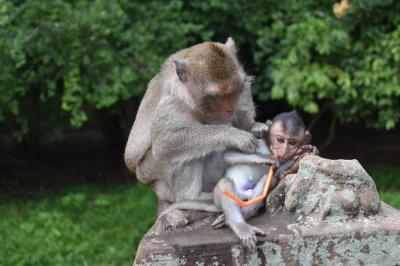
x: 387, y: 180
x: 89, y: 225
x: 85, y: 226
x: 391, y: 198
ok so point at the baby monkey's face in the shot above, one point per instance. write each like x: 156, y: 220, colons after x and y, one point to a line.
x: 284, y: 142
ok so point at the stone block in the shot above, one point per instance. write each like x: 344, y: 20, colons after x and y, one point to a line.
x: 373, y: 240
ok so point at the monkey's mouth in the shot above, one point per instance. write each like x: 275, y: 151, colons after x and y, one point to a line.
x: 225, y: 114
x: 282, y: 159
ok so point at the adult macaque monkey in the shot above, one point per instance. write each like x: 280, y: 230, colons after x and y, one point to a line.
x: 197, y: 106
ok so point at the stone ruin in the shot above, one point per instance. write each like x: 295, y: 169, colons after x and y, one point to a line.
x: 328, y: 213
x: 327, y: 189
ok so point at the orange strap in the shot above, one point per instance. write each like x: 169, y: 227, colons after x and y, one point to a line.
x: 259, y: 198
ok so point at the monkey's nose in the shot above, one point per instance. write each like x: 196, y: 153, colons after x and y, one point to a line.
x: 228, y: 112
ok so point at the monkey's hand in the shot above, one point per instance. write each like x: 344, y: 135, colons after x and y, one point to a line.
x: 247, y: 233
x: 305, y: 149
x: 264, y: 159
x: 309, y: 149
x: 246, y: 142
x: 271, y: 160
x: 260, y: 130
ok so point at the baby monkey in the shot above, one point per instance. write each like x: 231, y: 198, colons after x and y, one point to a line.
x: 246, y: 174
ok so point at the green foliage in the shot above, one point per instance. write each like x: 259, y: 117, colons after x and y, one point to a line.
x: 62, y: 60
x: 85, y: 226
x: 349, y: 64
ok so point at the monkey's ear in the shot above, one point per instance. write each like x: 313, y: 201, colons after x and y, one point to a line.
x: 269, y: 124
x: 230, y: 43
x: 307, y: 137
x: 181, y: 70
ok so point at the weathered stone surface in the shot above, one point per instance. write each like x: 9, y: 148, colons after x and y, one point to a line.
x: 334, y: 218
x: 373, y: 240
x: 330, y: 189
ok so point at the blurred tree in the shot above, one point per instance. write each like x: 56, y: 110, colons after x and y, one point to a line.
x: 66, y: 63
x: 348, y: 66
x: 62, y: 60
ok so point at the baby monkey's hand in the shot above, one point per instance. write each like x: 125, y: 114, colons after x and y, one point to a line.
x: 272, y: 161
x: 305, y: 149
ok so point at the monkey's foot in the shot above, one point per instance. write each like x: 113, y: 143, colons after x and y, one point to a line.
x: 173, y: 221
x: 219, y: 222
x: 247, y: 233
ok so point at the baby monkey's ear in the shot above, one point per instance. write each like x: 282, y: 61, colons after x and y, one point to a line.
x: 307, y: 137
x: 269, y: 124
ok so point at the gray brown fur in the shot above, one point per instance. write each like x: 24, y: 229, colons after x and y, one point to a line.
x: 172, y: 138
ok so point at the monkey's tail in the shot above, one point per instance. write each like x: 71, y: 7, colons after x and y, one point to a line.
x: 193, y: 205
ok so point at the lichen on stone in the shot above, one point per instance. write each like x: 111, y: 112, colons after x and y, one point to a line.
x: 330, y: 189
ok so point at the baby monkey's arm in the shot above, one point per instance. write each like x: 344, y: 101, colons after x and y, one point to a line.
x: 292, y: 165
x: 234, y: 157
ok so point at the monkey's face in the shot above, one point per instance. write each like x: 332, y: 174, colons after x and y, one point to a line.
x: 213, y: 78
x: 220, y: 99
x: 283, y: 144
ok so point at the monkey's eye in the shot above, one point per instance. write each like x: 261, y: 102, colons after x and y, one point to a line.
x: 280, y: 140
x: 238, y: 91
x: 215, y: 95
x: 292, y: 143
